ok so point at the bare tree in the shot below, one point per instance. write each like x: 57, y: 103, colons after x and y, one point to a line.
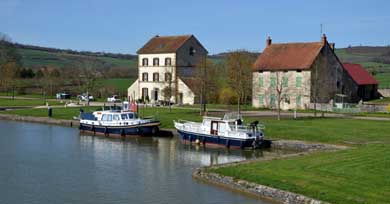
x: 205, y: 84
x: 89, y: 75
x: 281, y: 88
x: 170, y: 90
x: 239, y: 65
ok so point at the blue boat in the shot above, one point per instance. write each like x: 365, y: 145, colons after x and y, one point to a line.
x: 117, y: 123
x: 227, y: 131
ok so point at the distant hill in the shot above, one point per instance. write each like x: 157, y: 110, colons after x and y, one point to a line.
x: 374, y: 59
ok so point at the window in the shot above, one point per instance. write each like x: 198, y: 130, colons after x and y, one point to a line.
x: 156, y: 62
x: 116, y: 117
x: 298, y: 81
x: 144, y: 76
x: 261, y: 81
x: 156, y: 76
x: 145, y: 93
x: 285, y: 81
x: 298, y: 100
x: 145, y: 62
x: 261, y: 99
x: 168, y: 61
x: 168, y: 76
x: 273, y: 82
x: 272, y: 100
x: 192, y: 51
x: 104, y: 117
x: 131, y: 115
x: 124, y: 116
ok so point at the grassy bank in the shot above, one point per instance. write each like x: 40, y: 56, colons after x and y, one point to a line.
x: 4, y: 102
x: 358, y: 175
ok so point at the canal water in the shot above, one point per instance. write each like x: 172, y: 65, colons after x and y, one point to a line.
x: 52, y: 164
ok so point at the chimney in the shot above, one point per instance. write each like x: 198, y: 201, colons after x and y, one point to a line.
x: 269, y: 41
x: 332, y: 46
x: 323, y: 39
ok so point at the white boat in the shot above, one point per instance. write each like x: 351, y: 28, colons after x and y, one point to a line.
x: 117, y: 122
x: 227, y: 131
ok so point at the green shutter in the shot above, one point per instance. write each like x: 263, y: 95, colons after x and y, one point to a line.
x: 272, y: 99
x: 273, y: 82
x: 285, y: 81
x: 298, y: 82
x: 261, y: 81
x: 298, y: 100
x: 261, y: 99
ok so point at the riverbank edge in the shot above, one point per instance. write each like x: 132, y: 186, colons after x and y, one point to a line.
x: 261, y: 191
x: 63, y: 122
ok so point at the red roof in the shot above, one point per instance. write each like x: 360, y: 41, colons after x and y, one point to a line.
x: 288, y: 56
x: 359, y: 74
x: 163, y: 44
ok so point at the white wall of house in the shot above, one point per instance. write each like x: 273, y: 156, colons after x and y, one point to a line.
x: 295, y: 89
x: 186, y: 95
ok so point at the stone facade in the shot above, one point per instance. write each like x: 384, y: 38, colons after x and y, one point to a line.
x: 160, y: 70
x: 319, y: 78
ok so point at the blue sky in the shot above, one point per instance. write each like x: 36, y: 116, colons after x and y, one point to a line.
x: 221, y: 25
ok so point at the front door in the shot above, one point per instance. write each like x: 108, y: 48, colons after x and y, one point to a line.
x: 214, y: 128
x: 155, y: 94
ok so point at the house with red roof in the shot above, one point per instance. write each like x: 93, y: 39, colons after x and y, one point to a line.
x: 167, y: 62
x: 300, y: 74
x: 366, y: 86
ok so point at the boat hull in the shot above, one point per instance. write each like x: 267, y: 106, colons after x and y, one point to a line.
x: 219, y: 140
x: 142, y: 129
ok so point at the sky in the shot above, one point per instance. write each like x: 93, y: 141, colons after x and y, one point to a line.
x: 123, y: 26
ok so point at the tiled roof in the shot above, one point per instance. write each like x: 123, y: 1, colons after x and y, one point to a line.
x: 191, y: 82
x: 288, y: 56
x: 163, y: 44
x: 359, y: 74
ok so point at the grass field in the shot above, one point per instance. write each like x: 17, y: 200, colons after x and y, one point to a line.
x: 122, y: 84
x: 32, y: 57
x: 25, y: 102
x: 383, y: 79
x: 358, y: 175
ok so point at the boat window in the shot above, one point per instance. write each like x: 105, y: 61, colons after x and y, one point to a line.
x: 222, y: 127
x: 131, y: 115
x: 124, y: 117
x: 104, y: 117
x: 116, y: 117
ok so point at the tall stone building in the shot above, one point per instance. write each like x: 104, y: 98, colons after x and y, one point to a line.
x: 300, y: 74
x: 165, y: 62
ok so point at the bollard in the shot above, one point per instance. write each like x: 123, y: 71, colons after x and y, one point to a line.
x: 49, y: 112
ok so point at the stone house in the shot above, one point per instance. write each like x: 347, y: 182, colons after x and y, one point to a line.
x: 300, y: 74
x: 165, y: 62
x: 366, y: 87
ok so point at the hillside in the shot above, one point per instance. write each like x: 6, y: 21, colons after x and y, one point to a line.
x: 374, y: 59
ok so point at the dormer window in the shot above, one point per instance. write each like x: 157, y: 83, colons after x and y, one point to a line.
x: 156, y: 62
x: 192, y: 51
x: 145, y: 62
x: 168, y: 61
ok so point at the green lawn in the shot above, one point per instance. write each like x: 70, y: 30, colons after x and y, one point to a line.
x: 328, y: 130
x: 383, y: 79
x: 121, y: 84
x: 25, y: 102
x: 358, y: 175
x: 58, y: 113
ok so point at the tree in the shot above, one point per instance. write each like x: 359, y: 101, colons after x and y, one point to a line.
x: 239, y: 65
x: 281, y: 88
x: 89, y: 74
x: 170, y: 90
x: 10, y: 64
x: 205, y: 84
